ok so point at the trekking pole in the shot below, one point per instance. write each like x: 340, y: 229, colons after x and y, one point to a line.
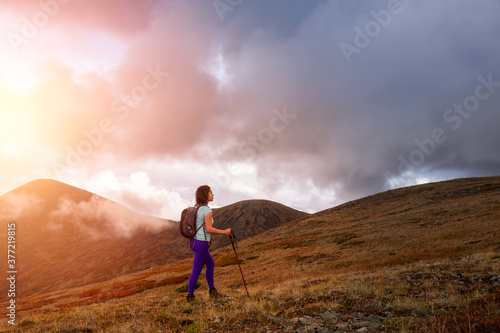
x: 233, y: 241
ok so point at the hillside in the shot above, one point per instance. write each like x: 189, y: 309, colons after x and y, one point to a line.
x: 251, y: 217
x: 423, y: 258
x: 68, y: 237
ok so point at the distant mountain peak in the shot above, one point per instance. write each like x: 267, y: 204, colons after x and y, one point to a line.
x: 51, y: 191
x: 43, y: 185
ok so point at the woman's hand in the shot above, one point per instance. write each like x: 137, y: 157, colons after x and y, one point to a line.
x: 227, y: 232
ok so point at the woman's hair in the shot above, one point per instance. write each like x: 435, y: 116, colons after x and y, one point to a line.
x: 202, y: 195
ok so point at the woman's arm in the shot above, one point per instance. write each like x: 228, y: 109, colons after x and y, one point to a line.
x: 211, y: 229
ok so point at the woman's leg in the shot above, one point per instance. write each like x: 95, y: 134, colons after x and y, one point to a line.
x: 209, y: 272
x: 200, y: 258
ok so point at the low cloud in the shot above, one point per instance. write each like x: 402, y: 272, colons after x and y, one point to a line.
x: 14, y: 206
x: 139, y: 194
x: 101, y: 218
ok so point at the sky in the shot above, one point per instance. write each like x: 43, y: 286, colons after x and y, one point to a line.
x: 307, y: 103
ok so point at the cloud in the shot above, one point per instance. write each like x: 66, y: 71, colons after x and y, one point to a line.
x: 212, y: 112
x: 355, y: 119
x: 101, y: 218
x: 14, y: 206
x: 139, y: 194
x: 120, y: 17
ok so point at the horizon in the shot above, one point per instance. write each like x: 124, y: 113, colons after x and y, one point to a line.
x: 180, y: 208
x: 308, y: 104
x: 215, y: 206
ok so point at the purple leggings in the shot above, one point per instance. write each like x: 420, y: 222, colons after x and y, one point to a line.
x: 201, y: 258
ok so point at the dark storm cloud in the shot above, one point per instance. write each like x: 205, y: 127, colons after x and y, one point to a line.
x: 357, y: 120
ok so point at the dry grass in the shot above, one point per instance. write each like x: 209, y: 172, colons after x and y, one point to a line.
x: 431, y: 296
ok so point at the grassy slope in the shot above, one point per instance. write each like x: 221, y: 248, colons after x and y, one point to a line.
x: 421, y: 258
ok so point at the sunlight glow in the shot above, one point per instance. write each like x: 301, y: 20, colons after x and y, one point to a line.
x: 17, y: 77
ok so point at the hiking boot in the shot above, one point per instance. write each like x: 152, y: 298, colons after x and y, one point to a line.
x: 213, y: 293
x: 190, y: 297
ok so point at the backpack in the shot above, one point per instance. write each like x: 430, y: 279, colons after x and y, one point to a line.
x: 187, y: 225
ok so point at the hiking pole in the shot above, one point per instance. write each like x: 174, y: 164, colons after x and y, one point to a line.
x: 231, y: 237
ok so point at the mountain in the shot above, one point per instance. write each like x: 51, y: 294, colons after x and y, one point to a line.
x: 68, y: 237
x: 449, y: 219
x: 422, y: 258
x: 251, y: 217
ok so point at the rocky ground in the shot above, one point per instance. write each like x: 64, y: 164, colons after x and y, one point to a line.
x: 381, y: 321
x: 331, y: 321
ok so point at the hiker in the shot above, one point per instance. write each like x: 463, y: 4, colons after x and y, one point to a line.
x: 200, y: 243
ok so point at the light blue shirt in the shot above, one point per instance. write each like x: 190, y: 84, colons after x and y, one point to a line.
x: 200, y: 219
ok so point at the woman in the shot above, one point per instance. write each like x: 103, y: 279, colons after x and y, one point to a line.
x: 201, y: 241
